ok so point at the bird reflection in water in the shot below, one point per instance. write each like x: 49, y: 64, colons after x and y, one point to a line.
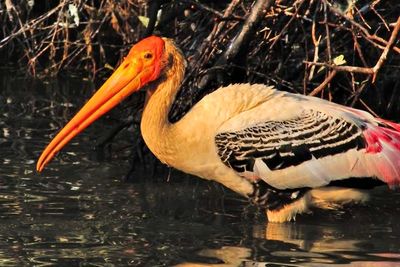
x: 289, y: 244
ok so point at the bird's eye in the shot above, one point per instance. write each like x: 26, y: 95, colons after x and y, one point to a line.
x: 148, y: 56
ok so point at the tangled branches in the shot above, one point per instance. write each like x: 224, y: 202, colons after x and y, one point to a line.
x: 67, y: 35
x: 315, y: 47
x: 343, y: 50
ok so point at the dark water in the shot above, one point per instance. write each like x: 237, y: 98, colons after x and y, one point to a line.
x: 79, y: 212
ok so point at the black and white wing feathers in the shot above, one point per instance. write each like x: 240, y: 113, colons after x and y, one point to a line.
x: 307, y: 147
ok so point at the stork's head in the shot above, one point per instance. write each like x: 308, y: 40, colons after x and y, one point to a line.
x: 144, y: 64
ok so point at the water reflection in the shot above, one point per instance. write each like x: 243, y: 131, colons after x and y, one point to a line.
x: 79, y: 212
x: 293, y: 244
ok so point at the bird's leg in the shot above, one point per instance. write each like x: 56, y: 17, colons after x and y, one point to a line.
x: 281, y: 205
x: 330, y: 197
x: 289, y: 211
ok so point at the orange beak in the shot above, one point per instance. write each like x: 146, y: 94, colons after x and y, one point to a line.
x: 130, y: 76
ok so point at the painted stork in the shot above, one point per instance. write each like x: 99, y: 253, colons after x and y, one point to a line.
x: 285, y: 152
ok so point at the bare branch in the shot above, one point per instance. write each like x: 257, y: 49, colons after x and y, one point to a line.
x: 373, y: 70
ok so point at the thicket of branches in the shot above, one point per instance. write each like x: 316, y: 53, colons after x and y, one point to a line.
x: 345, y: 50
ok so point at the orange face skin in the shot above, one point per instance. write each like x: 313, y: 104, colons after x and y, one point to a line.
x: 141, y: 66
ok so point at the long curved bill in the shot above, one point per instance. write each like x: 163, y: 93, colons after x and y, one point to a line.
x: 123, y: 82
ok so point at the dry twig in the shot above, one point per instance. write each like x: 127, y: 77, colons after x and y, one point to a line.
x: 372, y: 70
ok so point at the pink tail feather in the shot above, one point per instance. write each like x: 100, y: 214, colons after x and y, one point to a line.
x: 384, y: 142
